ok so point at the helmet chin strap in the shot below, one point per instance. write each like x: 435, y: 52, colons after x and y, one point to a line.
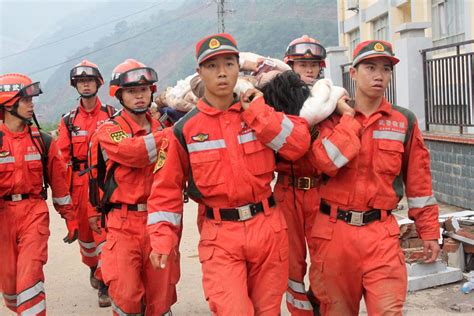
x: 136, y: 112
x: 14, y: 112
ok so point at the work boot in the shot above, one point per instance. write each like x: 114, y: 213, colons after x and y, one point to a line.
x: 93, y: 279
x: 104, y: 299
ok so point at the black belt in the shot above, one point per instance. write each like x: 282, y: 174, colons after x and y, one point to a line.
x: 352, y: 217
x: 15, y: 197
x: 241, y: 213
x: 76, y: 165
x: 301, y: 183
x: 130, y: 207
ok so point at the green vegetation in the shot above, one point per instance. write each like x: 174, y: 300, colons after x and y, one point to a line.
x: 261, y: 26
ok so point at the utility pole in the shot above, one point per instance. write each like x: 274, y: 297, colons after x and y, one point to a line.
x: 220, y: 16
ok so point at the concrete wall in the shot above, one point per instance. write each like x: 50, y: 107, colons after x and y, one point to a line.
x: 452, y: 169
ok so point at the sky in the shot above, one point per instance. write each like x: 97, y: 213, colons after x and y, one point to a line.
x: 29, y: 23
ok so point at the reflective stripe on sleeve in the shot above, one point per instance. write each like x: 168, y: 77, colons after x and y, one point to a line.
x: 150, y: 147
x: 30, y: 293
x: 298, y: 304
x: 32, y: 157
x: 104, y: 154
x: 389, y: 135
x: 418, y: 202
x: 337, y: 158
x: 210, y: 144
x: 63, y: 200
x: 286, y: 129
x: 161, y: 216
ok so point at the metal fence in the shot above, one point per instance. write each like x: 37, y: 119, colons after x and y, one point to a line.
x: 349, y: 84
x: 448, y: 76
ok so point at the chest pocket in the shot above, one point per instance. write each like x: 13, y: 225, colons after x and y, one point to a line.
x: 6, y: 173
x: 259, y: 159
x: 35, y: 168
x: 79, y: 146
x: 207, y: 168
x: 388, y: 157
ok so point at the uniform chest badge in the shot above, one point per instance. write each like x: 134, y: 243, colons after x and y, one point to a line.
x: 3, y: 154
x: 118, y: 136
x: 200, y: 137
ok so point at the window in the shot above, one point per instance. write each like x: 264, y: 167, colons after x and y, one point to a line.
x: 354, y: 39
x: 380, y: 28
x: 448, y: 17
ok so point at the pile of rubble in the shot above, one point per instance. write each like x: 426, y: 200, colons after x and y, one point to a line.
x: 457, y: 254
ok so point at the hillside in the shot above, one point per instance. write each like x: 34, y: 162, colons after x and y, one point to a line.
x: 262, y: 26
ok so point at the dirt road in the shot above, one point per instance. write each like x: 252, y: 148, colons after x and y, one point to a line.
x: 68, y: 291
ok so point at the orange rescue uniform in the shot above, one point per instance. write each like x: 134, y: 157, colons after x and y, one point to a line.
x: 297, y: 194
x: 228, y: 159
x: 368, y: 161
x: 74, y: 145
x: 24, y: 218
x: 126, y: 268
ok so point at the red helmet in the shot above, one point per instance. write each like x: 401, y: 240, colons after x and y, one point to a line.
x: 16, y: 86
x: 132, y: 73
x: 86, y: 69
x: 305, y: 48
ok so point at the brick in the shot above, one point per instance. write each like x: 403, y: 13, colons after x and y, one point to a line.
x: 456, y: 170
x: 450, y: 245
x: 413, y: 255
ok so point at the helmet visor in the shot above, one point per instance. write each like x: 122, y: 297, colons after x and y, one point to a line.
x: 309, y: 50
x: 84, y: 71
x: 31, y: 90
x: 138, y: 76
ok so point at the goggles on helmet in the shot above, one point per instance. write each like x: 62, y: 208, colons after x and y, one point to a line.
x: 31, y: 90
x: 138, y: 76
x: 84, y: 71
x: 309, y: 50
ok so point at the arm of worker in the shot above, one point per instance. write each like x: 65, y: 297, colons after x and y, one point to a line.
x: 422, y: 205
x: 61, y: 198
x: 285, y: 134
x: 165, y: 204
x: 337, y: 141
x: 136, y: 152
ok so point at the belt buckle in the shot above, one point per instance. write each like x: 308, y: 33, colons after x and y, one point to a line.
x: 16, y: 197
x: 357, y: 219
x: 244, y: 213
x: 141, y: 207
x: 307, y: 182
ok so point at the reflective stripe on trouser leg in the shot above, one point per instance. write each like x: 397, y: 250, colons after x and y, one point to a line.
x: 299, y: 222
x: 85, y: 236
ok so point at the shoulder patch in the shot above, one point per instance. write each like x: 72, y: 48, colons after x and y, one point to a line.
x: 160, y: 162
x: 117, y: 136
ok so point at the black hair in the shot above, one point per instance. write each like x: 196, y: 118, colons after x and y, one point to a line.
x: 286, y: 93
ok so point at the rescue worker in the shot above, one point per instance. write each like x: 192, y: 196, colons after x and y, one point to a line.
x: 370, y: 155
x: 130, y: 144
x: 74, y: 133
x: 305, y: 56
x: 296, y: 187
x: 29, y: 161
x: 225, y: 148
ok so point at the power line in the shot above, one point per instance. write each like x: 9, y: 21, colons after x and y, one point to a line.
x: 78, y: 33
x: 119, y: 42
